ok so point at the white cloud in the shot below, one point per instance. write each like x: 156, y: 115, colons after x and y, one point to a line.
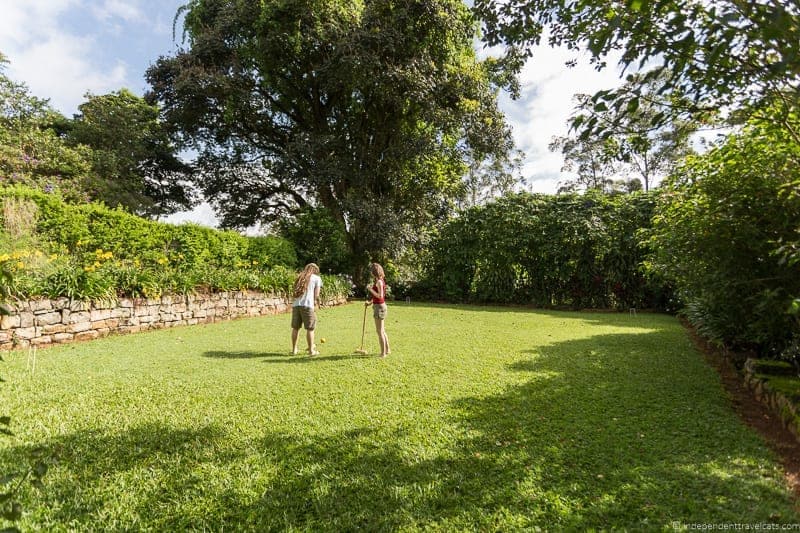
x: 54, y: 62
x: 24, y: 22
x: 544, y: 106
x: 203, y: 214
x: 128, y: 11
x: 55, y: 68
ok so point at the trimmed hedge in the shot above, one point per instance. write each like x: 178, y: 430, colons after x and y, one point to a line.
x: 92, y: 251
x: 542, y: 250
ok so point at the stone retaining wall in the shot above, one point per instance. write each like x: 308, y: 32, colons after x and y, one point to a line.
x: 43, y: 322
x: 783, y: 407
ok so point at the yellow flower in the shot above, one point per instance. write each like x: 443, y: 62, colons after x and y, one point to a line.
x: 20, y: 264
x: 4, y: 257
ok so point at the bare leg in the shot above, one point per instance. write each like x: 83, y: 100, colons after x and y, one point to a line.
x: 295, y: 333
x: 382, y: 340
x: 312, y: 349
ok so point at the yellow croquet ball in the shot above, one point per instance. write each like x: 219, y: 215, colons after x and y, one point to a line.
x: 322, y: 341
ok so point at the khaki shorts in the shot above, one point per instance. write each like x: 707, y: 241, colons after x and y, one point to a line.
x: 304, y: 316
x: 379, y: 311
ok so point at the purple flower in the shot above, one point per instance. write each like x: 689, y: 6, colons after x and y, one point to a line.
x: 49, y: 188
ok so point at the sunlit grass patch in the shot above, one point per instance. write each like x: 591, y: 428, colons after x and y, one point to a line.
x: 482, y: 418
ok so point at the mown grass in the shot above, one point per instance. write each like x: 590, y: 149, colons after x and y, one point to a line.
x: 491, y: 419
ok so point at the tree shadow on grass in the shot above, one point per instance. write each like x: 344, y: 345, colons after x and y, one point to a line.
x: 305, y: 359
x: 279, y: 357
x: 244, y: 354
x: 617, y: 431
x: 600, y: 437
x: 600, y: 433
x: 155, y: 460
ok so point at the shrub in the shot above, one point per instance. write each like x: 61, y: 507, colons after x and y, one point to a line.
x: 580, y: 251
x: 93, y: 252
x: 272, y: 251
x: 718, y: 235
x: 318, y: 238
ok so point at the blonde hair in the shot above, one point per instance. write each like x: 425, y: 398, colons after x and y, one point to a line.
x: 301, y: 283
x: 377, y: 271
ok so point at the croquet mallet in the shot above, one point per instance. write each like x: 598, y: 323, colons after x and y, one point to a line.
x: 361, y: 349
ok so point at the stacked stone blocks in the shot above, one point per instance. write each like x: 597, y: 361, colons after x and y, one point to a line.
x: 45, y: 321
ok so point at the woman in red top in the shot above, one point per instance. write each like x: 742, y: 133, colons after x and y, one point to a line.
x: 379, y: 310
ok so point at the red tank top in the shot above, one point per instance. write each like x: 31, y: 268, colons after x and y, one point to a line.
x: 380, y: 288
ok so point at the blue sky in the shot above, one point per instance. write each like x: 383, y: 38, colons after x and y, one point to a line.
x: 64, y: 48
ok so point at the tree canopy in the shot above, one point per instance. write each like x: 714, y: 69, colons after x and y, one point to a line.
x: 721, y: 54
x: 630, y: 145
x: 370, y: 109
x: 31, y: 150
x: 115, y: 150
x: 134, y: 162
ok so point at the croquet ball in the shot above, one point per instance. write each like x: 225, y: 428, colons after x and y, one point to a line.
x: 322, y: 341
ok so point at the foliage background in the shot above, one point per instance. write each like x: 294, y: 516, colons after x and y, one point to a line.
x: 726, y: 231
x: 52, y: 248
x: 566, y: 250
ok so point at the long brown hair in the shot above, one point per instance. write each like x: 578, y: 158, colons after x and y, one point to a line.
x: 301, y: 283
x: 377, y: 271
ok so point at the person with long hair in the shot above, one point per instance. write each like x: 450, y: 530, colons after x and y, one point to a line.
x: 306, y: 298
x: 379, y: 309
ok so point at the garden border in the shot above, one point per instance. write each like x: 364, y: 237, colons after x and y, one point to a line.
x: 784, y: 408
x: 752, y: 412
x: 43, y: 322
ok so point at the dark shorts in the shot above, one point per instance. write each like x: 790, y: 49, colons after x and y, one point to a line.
x: 379, y: 311
x: 304, y: 316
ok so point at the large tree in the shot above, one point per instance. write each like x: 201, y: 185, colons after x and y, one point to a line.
x: 734, y: 55
x: 371, y: 109
x: 32, y: 152
x: 631, y: 142
x: 592, y: 160
x: 134, y: 162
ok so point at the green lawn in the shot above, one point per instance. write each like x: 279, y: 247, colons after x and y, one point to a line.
x: 490, y: 419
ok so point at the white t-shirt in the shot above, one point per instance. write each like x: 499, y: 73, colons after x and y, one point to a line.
x: 307, y: 299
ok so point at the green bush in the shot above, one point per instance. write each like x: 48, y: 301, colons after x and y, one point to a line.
x: 91, y: 251
x: 272, y: 251
x: 720, y: 235
x: 567, y: 250
x: 319, y: 239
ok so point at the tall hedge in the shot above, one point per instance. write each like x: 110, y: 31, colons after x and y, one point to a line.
x: 94, y: 226
x: 567, y: 250
x: 726, y: 232
x: 51, y: 248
